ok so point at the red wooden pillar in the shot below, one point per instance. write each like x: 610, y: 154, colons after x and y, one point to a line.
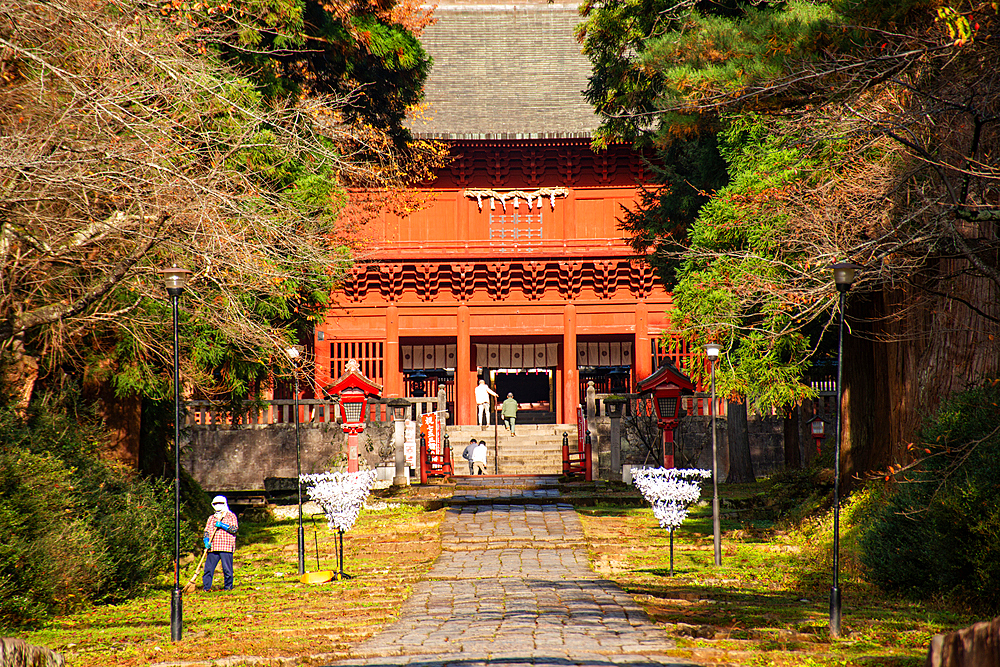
x: 465, y: 370
x: 422, y: 459
x: 569, y: 215
x: 352, y: 446
x: 642, y: 357
x: 393, y: 379
x: 462, y: 215
x: 321, y: 357
x: 571, y: 376
x: 668, y: 448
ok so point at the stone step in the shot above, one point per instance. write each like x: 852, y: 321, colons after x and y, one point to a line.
x: 532, y: 429
x: 536, y: 449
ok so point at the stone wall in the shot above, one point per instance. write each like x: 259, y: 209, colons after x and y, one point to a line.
x: 239, y: 458
x: 694, y: 445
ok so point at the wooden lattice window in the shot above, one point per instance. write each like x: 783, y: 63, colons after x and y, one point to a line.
x: 521, y: 225
x: 678, y: 351
x: 369, y: 354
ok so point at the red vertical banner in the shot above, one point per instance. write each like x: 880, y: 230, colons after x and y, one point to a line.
x: 430, y: 426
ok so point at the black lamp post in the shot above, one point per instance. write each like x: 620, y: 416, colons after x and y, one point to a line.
x: 712, y: 352
x: 174, y: 279
x: 294, y: 353
x: 843, y: 275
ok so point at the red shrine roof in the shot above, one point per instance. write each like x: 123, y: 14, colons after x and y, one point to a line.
x: 505, y: 72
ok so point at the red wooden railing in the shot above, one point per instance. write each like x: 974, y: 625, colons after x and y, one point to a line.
x: 433, y: 464
x: 577, y: 463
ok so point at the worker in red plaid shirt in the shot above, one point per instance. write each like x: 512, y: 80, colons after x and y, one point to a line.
x: 220, y: 542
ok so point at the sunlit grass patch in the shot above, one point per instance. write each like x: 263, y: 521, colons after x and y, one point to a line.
x: 270, y: 613
x: 768, y: 603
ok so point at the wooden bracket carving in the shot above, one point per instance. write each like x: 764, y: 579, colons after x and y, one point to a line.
x: 569, y: 166
x: 462, y: 169
x: 391, y: 281
x: 428, y: 276
x: 605, y: 277
x: 500, y: 283
x: 533, y: 166
x: 498, y: 167
x: 533, y: 280
x: 570, y: 278
x: 605, y: 166
x: 463, y: 280
x: 640, y: 278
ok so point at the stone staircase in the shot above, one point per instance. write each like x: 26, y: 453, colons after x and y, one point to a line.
x: 535, y: 450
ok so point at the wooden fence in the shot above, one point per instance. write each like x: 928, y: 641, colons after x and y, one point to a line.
x: 312, y: 412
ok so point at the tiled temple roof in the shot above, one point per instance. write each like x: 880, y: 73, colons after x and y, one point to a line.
x: 505, y: 72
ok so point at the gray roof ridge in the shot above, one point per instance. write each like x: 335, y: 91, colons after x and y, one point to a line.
x: 495, y: 6
x: 503, y: 136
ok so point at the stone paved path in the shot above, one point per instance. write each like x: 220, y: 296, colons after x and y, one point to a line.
x: 513, y: 587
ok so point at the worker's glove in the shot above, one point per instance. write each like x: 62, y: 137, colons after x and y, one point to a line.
x: 223, y: 526
x: 208, y: 543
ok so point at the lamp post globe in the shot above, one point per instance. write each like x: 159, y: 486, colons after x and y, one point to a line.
x: 174, y: 280
x: 712, y: 351
x: 844, y: 274
x: 294, y: 354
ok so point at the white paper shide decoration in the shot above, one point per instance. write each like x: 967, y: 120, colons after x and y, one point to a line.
x: 341, y: 495
x: 670, y: 491
x: 516, y: 196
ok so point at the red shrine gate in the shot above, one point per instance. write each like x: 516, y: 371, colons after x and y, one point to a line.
x: 516, y: 272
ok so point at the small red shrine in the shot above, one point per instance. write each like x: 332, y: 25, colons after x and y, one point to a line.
x: 516, y: 271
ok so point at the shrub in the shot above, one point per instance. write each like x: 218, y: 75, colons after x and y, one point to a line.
x: 133, y: 517
x: 939, y: 531
x: 75, y: 528
x: 49, y: 560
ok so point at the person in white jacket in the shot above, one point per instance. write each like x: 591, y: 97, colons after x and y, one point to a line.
x: 483, y: 393
x: 479, y: 458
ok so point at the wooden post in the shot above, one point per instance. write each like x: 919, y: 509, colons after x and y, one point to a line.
x: 422, y: 459
x: 393, y: 379
x: 571, y: 377
x: 352, y: 450
x: 465, y: 370
x: 642, y: 356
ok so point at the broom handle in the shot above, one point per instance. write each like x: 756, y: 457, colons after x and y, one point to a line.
x: 197, y: 567
x: 204, y: 555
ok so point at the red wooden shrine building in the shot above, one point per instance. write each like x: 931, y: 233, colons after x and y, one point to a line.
x: 516, y: 270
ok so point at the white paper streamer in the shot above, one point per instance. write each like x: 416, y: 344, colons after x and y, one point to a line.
x: 341, y: 495
x: 670, y: 491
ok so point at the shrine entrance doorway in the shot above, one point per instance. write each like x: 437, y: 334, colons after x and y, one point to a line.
x: 533, y: 389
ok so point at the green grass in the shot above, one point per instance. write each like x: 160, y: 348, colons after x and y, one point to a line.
x: 768, y: 603
x: 270, y: 613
